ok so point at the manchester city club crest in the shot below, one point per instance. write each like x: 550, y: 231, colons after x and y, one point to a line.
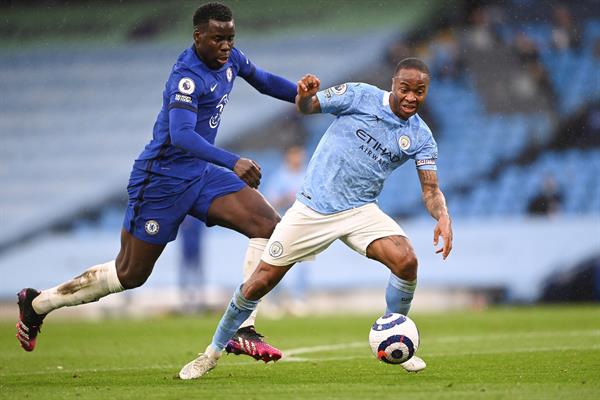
x: 229, y: 74
x: 339, y: 89
x: 276, y: 249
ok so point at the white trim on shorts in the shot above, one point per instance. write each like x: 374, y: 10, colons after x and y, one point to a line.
x: 303, y: 233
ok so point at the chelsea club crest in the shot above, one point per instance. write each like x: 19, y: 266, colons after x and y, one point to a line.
x: 151, y: 227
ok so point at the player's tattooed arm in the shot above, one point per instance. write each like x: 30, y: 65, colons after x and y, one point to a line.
x: 433, y: 197
x: 435, y: 202
x: 306, y: 100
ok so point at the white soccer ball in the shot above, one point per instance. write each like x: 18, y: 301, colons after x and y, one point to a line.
x: 394, y: 338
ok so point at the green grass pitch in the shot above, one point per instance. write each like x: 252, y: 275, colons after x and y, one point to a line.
x: 512, y: 353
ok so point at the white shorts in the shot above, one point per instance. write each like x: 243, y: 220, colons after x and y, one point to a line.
x: 304, y: 233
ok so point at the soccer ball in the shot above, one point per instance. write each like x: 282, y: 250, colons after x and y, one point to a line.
x: 394, y: 338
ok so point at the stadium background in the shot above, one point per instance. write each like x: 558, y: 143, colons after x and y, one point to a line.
x: 81, y: 85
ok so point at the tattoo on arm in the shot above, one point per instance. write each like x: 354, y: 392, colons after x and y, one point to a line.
x: 434, y: 199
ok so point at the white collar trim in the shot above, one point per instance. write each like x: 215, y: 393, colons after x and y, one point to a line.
x: 386, y: 98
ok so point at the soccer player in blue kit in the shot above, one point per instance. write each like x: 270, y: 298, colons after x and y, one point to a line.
x: 182, y: 172
x: 374, y: 133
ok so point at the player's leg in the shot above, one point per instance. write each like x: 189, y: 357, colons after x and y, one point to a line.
x: 227, y: 201
x: 131, y: 269
x: 151, y: 221
x: 396, y: 253
x: 242, y: 305
x: 379, y: 237
x: 247, y: 212
x: 297, y: 237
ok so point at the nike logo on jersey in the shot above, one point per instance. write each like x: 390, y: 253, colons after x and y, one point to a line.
x: 212, y: 88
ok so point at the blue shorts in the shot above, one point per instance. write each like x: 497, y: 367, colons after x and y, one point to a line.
x: 158, y: 203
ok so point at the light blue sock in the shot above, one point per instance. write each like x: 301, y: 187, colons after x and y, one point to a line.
x: 238, y: 311
x: 399, y: 294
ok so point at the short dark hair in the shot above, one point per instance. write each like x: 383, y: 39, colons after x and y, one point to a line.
x: 412, y: 63
x: 216, y: 11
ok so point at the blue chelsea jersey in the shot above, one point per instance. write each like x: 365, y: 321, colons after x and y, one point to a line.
x: 361, y: 148
x: 194, y: 86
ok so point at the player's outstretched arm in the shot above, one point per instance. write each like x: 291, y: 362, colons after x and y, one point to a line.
x: 272, y: 85
x: 306, y: 99
x: 435, y: 202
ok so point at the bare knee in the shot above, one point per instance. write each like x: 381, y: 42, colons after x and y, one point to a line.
x: 135, y: 260
x: 396, y: 253
x: 405, y: 267
x: 132, y: 274
x: 130, y: 281
x: 264, y: 226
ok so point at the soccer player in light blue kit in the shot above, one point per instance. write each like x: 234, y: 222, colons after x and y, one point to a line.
x: 374, y: 133
x: 181, y: 172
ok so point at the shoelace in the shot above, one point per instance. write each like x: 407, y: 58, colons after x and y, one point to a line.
x: 202, y: 363
x: 252, y: 334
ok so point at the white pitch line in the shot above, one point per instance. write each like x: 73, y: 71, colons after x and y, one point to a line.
x: 316, y: 349
x: 518, y: 335
x: 450, y: 339
x: 175, y: 368
x: 462, y: 353
x: 290, y: 354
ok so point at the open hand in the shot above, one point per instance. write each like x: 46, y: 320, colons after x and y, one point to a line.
x: 443, y: 229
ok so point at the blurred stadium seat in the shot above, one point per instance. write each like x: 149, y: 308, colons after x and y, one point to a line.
x: 74, y: 123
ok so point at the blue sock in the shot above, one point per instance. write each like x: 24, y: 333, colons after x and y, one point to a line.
x: 238, y: 311
x: 399, y: 294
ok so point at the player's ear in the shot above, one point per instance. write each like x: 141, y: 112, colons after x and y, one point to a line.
x: 199, y: 33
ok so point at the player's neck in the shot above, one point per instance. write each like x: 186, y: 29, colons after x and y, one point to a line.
x: 203, y: 61
x: 198, y: 56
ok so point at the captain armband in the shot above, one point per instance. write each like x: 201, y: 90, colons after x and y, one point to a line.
x: 430, y: 161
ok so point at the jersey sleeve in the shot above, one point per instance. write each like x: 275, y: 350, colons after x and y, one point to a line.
x: 246, y: 67
x: 339, y: 99
x: 183, y: 90
x: 264, y: 81
x: 426, y: 156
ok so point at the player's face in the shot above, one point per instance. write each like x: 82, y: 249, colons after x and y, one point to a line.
x: 214, y: 41
x: 409, y: 89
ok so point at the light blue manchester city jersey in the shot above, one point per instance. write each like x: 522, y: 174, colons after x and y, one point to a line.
x: 361, y: 148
